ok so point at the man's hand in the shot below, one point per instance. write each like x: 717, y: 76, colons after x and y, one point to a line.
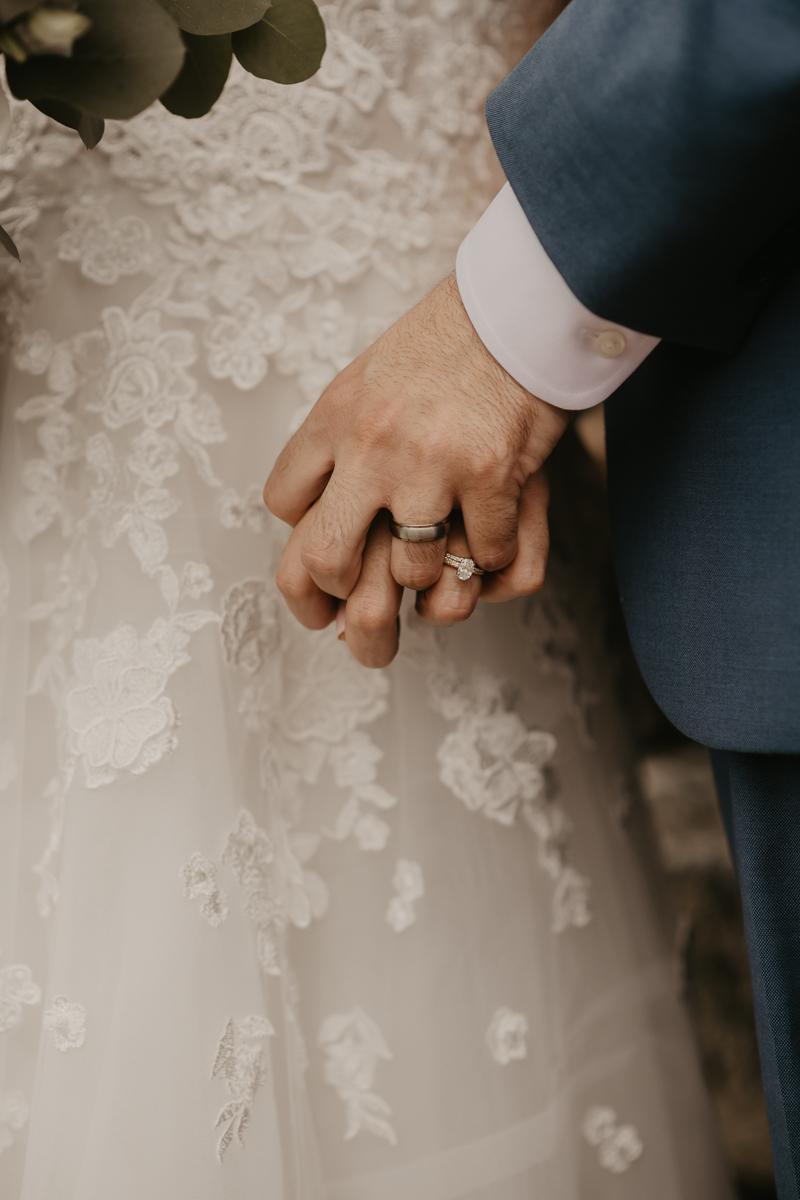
x: 370, y: 614
x: 423, y: 422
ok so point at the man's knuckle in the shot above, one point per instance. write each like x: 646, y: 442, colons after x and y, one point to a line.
x: 375, y: 430
x: 490, y: 462
x: 319, y: 561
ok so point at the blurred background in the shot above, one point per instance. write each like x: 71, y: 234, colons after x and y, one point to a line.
x: 676, y: 793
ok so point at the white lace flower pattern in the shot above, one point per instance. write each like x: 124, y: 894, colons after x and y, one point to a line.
x: 353, y: 1045
x: 507, y: 1036
x: 199, y: 878
x: 496, y: 767
x: 354, y: 768
x: 618, y: 1146
x: 14, y: 1114
x: 409, y: 886
x: 65, y: 1021
x: 277, y: 886
x: 249, y: 628
x: 234, y: 277
x: 17, y: 988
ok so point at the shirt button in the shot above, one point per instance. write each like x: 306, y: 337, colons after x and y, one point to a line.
x: 610, y: 343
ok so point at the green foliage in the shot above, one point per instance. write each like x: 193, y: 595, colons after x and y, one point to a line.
x: 206, y: 17
x: 131, y: 55
x: 89, y: 128
x: 202, y: 76
x: 80, y: 61
x: 7, y: 244
x: 286, y: 45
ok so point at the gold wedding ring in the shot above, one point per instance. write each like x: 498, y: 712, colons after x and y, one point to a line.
x: 420, y: 533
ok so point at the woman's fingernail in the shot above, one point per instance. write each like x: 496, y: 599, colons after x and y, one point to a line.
x: 340, y: 620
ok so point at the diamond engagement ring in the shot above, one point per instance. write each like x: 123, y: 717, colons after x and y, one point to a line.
x: 420, y: 533
x: 465, y: 567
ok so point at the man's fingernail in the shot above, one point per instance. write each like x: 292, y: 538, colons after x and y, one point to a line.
x: 340, y: 620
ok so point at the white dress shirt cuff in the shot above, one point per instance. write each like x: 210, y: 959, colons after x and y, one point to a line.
x: 530, y: 320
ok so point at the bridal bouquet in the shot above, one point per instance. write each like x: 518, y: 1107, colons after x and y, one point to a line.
x: 80, y: 61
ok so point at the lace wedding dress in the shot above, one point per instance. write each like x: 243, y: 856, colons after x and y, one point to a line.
x: 272, y: 926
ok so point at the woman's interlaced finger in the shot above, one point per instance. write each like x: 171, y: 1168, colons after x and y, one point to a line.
x: 451, y: 599
x: 525, y: 574
x: 371, y: 627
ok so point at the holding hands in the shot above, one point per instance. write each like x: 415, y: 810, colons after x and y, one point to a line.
x: 423, y: 424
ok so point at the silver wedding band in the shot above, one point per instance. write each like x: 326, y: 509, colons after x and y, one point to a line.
x: 465, y: 567
x: 420, y: 533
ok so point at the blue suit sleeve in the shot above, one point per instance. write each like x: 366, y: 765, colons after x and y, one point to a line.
x: 654, y: 146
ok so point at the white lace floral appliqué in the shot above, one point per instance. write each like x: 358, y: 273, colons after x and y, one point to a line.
x: 119, y: 717
x: 278, y: 887
x: 353, y: 1045
x: 249, y: 628
x: 507, y: 1036
x: 65, y: 1021
x: 14, y: 1114
x: 354, y: 767
x: 199, y: 878
x: 16, y: 989
x: 105, y: 250
x: 409, y: 885
x: 496, y: 766
x: 241, y: 1061
x: 617, y: 1145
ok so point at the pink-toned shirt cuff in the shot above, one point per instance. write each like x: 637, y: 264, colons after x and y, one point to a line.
x: 530, y: 320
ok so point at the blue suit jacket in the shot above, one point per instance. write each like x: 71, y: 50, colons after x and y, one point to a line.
x: 655, y: 147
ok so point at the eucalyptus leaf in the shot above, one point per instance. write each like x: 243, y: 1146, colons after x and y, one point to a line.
x: 202, y: 76
x: 9, y: 9
x: 91, y: 130
x: 129, y: 57
x: 286, y: 45
x: 7, y: 243
x: 87, y: 125
x: 52, y: 30
x: 206, y: 17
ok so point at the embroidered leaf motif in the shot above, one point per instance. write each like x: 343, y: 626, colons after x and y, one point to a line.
x: 241, y: 1061
x: 353, y: 1044
x: 199, y: 878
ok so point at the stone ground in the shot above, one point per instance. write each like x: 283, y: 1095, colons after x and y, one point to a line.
x: 678, y: 789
